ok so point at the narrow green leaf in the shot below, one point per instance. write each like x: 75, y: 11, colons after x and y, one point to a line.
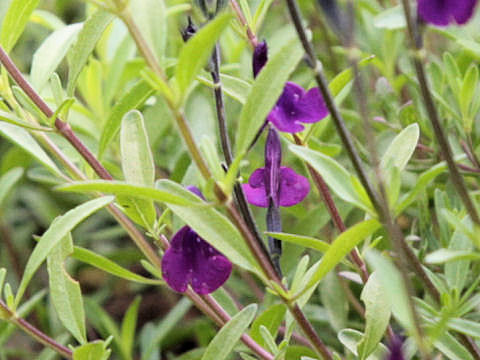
x: 51, y: 53
x: 377, y: 315
x: 23, y: 139
x: 8, y: 181
x: 442, y: 256
x: 272, y: 319
x: 12, y: 119
x: 334, y: 301
x: 452, y: 348
x: 211, y: 225
x: 121, y: 188
x: 394, y: 288
x: 65, y: 292
x: 55, y: 233
x: 15, y: 21
x: 233, y: 87
x: 457, y: 273
x: 129, y: 324
x: 196, y: 52
x: 226, y: 339
x: 305, y: 241
x: 342, y: 246
x: 138, y: 167
x: 350, y: 339
x: 341, y: 81
x: 132, y: 99
x: 95, y: 350
x: 107, y: 265
x: 265, y: 92
x: 78, y: 55
x: 401, y: 148
x: 335, y: 175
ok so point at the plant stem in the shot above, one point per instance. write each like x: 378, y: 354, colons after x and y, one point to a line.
x: 34, y: 332
x: 444, y: 145
x: 250, y: 35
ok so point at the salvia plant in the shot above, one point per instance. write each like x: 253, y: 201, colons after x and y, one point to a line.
x: 234, y: 179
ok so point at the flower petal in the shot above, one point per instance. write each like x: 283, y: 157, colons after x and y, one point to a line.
x: 284, y: 122
x: 437, y: 12
x: 312, y: 107
x: 293, y: 187
x: 211, y: 268
x: 176, y: 263
x: 255, y: 188
x: 463, y: 10
x: 273, y: 160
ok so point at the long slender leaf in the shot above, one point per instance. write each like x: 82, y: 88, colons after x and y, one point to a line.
x: 8, y: 181
x: 15, y: 21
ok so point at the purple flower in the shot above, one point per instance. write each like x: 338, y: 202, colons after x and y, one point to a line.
x: 444, y: 12
x: 190, y: 260
x: 296, y: 106
x: 395, y: 348
x: 260, y: 57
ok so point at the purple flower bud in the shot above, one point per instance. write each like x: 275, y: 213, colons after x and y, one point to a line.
x: 195, y: 190
x: 445, y: 12
x: 293, y: 188
x: 190, y: 260
x: 296, y: 106
x: 395, y: 348
x: 260, y: 57
x: 273, y: 161
x: 189, y: 30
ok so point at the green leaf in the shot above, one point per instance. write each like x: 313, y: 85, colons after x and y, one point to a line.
x: 391, y: 19
x: 339, y: 82
x: 305, y: 241
x: 51, y: 53
x: 350, y: 339
x: 138, y: 166
x: 88, y: 37
x: 452, y: 348
x: 129, y: 325
x: 23, y: 139
x: 65, y: 292
x: 233, y: 87
x: 342, y: 246
x: 394, y: 288
x: 132, y: 99
x: 448, y: 255
x: 166, y: 325
x: 107, y: 265
x: 335, y: 175
x: 226, y: 339
x: 150, y: 17
x: 12, y: 119
x: 377, y: 315
x: 401, y: 148
x: 7, y: 182
x: 196, y: 52
x: 121, y: 188
x: 212, y: 226
x: 265, y: 92
x: 95, y: 350
x: 272, y: 319
x: 15, y: 21
x: 457, y: 273
x: 334, y: 301
x: 56, y: 232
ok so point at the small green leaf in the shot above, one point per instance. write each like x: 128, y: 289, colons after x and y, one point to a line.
x: 265, y: 92
x: 233, y: 87
x: 341, y: 81
x: 120, y: 188
x: 452, y: 348
x: 457, y: 273
x: 12, y: 119
x: 350, y: 339
x: 55, y: 233
x: 197, y: 51
x: 132, y: 99
x: 226, y: 339
x: 335, y: 175
x: 65, y: 292
x: 342, y: 246
x: 24, y: 140
x: 377, y: 315
x: 305, y: 241
x: 442, y: 256
x: 107, y: 265
x: 51, y: 53
x: 95, y: 350
x: 15, y: 21
x: 129, y: 324
x: 391, y: 19
x: 7, y: 182
x: 334, y: 301
x: 271, y: 318
x: 401, y: 148
x: 88, y: 37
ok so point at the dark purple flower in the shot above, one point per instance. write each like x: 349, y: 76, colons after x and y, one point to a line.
x: 293, y: 188
x: 395, y: 348
x: 191, y: 260
x: 260, y: 57
x: 195, y: 190
x: 444, y: 12
x: 296, y: 106
x: 273, y: 162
